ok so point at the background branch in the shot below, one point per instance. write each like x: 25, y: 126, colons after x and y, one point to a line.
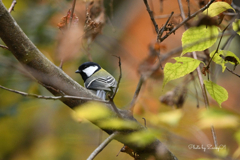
x: 164, y: 27
x: 233, y: 72
x: 72, y: 12
x: 102, y: 146
x: 133, y: 102
x: 150, y: 12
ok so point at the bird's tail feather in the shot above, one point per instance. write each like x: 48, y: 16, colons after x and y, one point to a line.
x: 101, y: 94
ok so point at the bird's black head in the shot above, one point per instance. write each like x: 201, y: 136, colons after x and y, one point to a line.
x: 87, y: 69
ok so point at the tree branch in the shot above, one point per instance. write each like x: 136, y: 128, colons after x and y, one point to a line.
x: 189, y: 11
x: 133, y: 102
x: 166, y: 16
x: 150, y: 12
x: 120, y: 77
x: 72, y: 12
x: 50, y: 97
x: 164, y: 27
x: 233, y: 72
x: 102, y: 146
x: 59, y: 83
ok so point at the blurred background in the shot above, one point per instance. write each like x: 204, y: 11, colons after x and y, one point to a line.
x: 44, y: 129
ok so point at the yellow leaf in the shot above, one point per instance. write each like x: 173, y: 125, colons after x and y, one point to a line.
x: 141, y: 138
x: 219, y: 118
x: 118, y: 124
x: 217, y: 8
x: 93, y: 111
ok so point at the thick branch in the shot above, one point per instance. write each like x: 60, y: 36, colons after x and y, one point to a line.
x: 59, y: 83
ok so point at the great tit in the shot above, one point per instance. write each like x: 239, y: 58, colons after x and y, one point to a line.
x: 97, y: 79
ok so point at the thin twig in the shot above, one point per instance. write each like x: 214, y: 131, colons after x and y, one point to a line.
x: 195, y: 87
x: 145, y: 122
x: 14, y: 2
x: 214, y: 136
x: 161, y: 5
x: 166, y: 16
x: 187, y: 19
x: 232, y: 72
x: 189, y: 11
x: 114, y: 107
x: 151, y: 15
x: 229, y: 40
x: 119, y: 78
x: 133, y: 102
x: 72, y: 12
x: 199, y: 73
x: 181, y: 9
x: 164, y: 27
x: 111, y: 8
x: 170, y: 53
x: 102, y: 146
x: 4, y: 47
x: 51, y: 97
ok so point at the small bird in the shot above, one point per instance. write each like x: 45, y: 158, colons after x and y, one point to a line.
x: 97, y: 79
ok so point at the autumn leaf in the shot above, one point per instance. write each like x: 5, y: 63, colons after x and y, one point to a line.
x: 182, y: 67
x: 217, y: 8
x: 64, y: 22
x: 217, y: 92
x: 223, y: 56
x: 199, y: 38
x: 236, y: 26
x: 93, y: 111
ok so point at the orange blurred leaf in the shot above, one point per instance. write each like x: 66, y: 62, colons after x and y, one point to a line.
x: 64, y: 22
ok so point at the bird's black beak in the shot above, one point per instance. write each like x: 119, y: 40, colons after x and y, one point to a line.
x: 77, y: 71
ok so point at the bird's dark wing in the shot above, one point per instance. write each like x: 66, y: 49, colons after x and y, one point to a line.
x: 102, y: 83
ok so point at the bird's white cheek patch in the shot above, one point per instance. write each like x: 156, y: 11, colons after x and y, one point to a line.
x: 90, y: 70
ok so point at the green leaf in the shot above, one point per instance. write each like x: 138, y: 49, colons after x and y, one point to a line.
x: 93, y: 111
x: 183, y: 66
x: 217, y: 92
x: 171, y: 118
x: 237, y: 136
x: 219, y: 118
x: 217, y: 8
x: 228, y: 57
x: 117, y: 124
x: 236, y: 26
x: 199, y: 38
x: 141, y: 138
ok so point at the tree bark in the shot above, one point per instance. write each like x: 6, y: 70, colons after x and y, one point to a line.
x: 59, y: 83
